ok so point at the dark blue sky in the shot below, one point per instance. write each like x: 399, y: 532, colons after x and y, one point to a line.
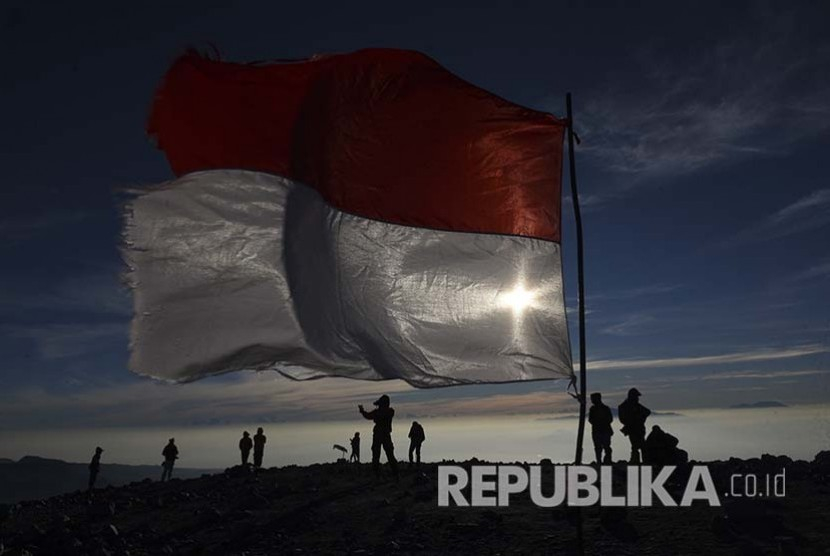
x: 703, y: 173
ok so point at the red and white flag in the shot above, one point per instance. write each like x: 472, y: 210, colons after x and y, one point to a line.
x: 367, y: 215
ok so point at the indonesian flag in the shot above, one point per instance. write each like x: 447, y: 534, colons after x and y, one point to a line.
x: 366, y: 215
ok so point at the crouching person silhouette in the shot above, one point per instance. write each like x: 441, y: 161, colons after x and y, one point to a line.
x: 660, y: 448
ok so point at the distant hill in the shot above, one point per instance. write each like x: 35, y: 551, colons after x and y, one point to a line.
x: 33, y: 477
x: 758, y: 405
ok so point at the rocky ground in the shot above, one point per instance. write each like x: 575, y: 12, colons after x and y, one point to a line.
x: 343, y: 509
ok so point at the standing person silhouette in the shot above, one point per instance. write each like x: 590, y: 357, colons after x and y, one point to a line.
x: 355, y: 442
x: 601, y: 418
x: 416, y: 438
x: 259, y: 447
x: 382, y: 433
x: 94, y: 467
x: 633, y: 417
x: 245, y: 445
x: 171, y: 454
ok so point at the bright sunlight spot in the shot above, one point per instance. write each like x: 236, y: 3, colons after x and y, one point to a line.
x: 518, y: 299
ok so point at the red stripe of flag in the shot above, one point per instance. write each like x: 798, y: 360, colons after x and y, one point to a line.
x: 380, y: 133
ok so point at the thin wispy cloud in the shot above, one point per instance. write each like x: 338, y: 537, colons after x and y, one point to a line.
x: 633, y: 325
x: 99, y: 293
x: 632, y: 293
x: 734, y: 100
x: 264, y: 397
x: 24, y: 227
x: 762, y: 375
x: 61, y: 341
x: 245, y: 396
x: 821, y: 270
x: 573, y: 311
x: 721, y: 359
x: 810, y: 212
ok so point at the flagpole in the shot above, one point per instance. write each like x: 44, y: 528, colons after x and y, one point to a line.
x: 580, y: 435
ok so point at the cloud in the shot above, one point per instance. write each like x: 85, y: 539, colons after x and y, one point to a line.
x: 246, y: 397
x: 569, y: 416
x: 821, y: 270
x: 267, y: 397
x: 573, y: 311
x: 61, y: 341
x: 27, y: 226
x: 632, y: 293
x: 98, y: 293
x: 499, y: 404
x: 807, y: 213
x: 240, y: 397
x: 756, y: 375
x: 723, y: 359
x: 737, y: 98
x: 586, y: 201
x: 632, y: 326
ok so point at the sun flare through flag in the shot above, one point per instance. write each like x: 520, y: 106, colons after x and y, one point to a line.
x: 367, y: 215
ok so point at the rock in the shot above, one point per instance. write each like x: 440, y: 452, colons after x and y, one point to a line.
x: 721, y: 528
x: 786, y: 546
x: 612, y: 514
x: 490, y: 518
x: 423, y: 495
x: 822, y: 459
x: 774, y: 464
x: 100, y: 509
x: 749, y: 548
x: 757, y: 518
x: 254, y: 501
x: 615, y: 521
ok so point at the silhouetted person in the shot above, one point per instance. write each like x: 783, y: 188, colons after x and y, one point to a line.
x: 601, y: 418
x: 171, y: 454
x: 660, y: 448
x: 355, y: 455
x: 94, y: 467
x: 245, y: 445
x: 416, y: 438
x: 259, y: 447
x: 382, y: 433
x: 633, y: 417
